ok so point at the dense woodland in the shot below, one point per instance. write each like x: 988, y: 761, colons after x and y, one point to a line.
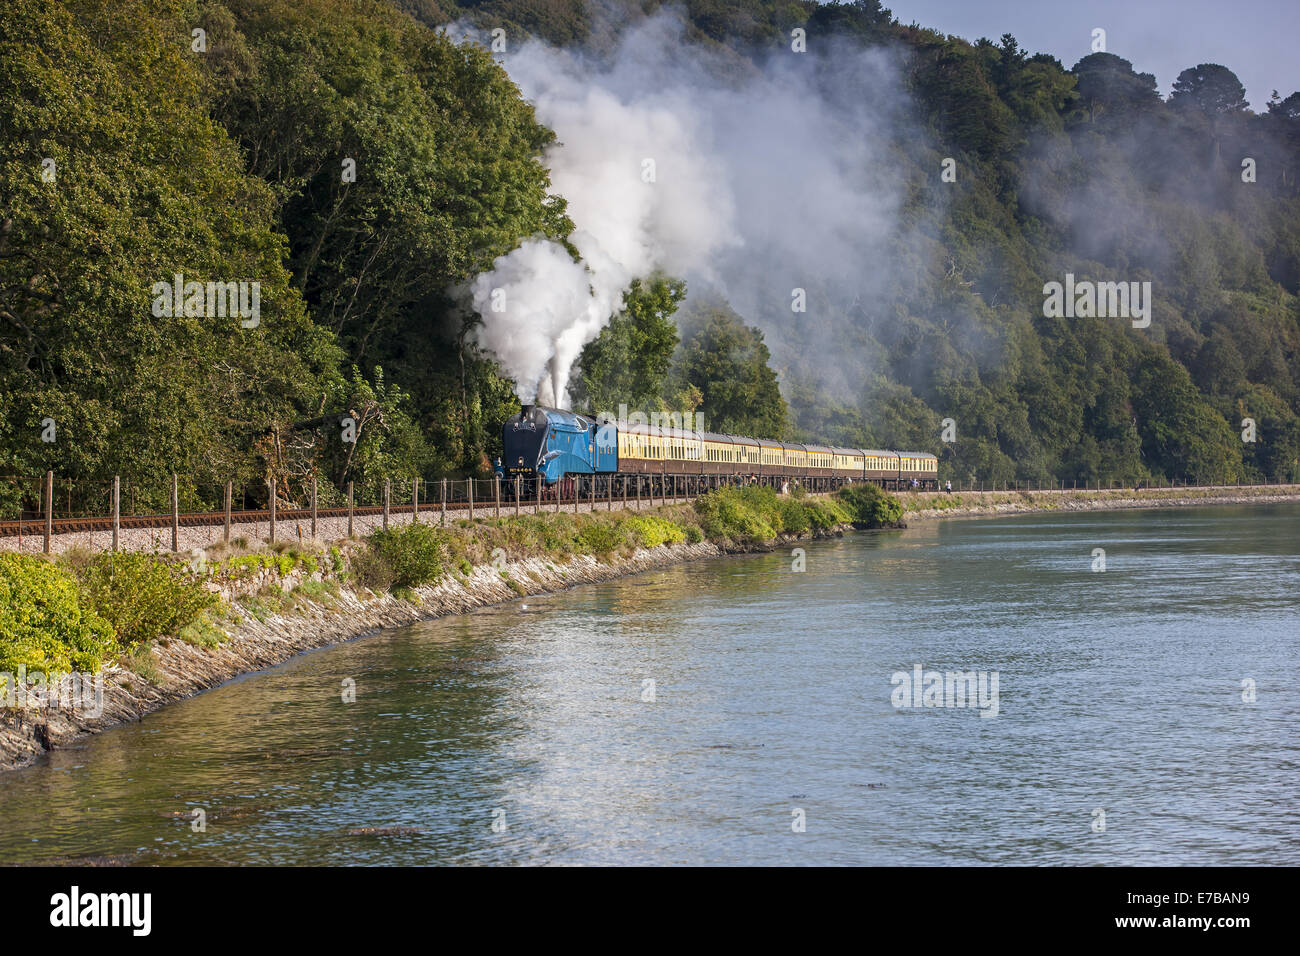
x: 227, y: 165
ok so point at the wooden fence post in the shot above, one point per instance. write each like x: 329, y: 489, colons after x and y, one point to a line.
x: 313, y: 507
x: 538, y: 509
x: 176, y: 513
x: 415, y: 498
x: 117, y: 508
x: 443, y: 519
x: 388, y: 490
x: 519, y: 490
x: 496, y: 492
x: 469, y: 493
x: 272, y: 510
x: 350, y: 509
x: 230, y: 489
x: 49, y: 509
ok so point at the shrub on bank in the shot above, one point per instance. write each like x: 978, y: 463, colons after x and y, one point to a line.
x: 369, y: 569
x: 755, y: 513
x: 413, y: 551
x: 743, y: 515
x: 141, y: 596
x: 870, y: 506
x: 727, y: 519
x: 600, y: 538
x: 651, y: 531
x: 792, y: 515
x: 559, y: 537
x: 827, y: 514
x: 44, y: 624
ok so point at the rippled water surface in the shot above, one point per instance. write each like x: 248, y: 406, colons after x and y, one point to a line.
x: 1118, y: 691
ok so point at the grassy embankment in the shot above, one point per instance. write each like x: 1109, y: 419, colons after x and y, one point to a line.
x: 82, y: 611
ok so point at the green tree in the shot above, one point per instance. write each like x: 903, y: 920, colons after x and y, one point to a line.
x: 1210, y: 88
x: 403, y: 164
x: 1107, y: 84
x: 727, y: 362
x: 628, y: 363
x: 1181, y: 434
x: 142, y: 186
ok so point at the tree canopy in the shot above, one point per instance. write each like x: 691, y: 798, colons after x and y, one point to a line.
x: 358, y: 165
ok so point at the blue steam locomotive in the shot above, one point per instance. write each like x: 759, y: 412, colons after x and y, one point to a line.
x: 549, y: 445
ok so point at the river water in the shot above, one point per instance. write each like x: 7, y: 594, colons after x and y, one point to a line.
x: 526, y: 733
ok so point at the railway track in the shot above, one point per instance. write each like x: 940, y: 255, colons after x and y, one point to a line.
x: 35, y: 527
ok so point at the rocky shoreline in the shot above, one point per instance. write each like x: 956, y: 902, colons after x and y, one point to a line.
x: 980, y: 504
x: 180, y: 670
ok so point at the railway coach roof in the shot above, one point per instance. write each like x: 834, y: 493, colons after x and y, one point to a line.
x: 914, y: 454
x: 639, y: 429
x: 820, y: 449
x: 729, y: 439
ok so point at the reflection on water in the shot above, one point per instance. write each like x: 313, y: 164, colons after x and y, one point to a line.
x: 1119, y: 691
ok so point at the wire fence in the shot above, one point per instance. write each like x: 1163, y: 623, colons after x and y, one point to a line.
x: 46, y: 506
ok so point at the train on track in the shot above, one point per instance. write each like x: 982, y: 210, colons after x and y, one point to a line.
x: 552, y: 446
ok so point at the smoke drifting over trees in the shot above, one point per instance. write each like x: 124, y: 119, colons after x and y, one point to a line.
x: 751, y: 184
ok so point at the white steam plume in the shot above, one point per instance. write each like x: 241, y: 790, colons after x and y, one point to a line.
x: 761, y: 184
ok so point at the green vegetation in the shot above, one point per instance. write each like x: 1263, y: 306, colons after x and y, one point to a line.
x: 261, y: 606
x: 413, y: 552
x: 870, y: 506
x: 82, y: 611
x: 651, y: 531
x: 46, y: 623
x: 755, y: 515
x: 141, y: 596
x: 725, y: 362
x: 322, y: 592
x: 140, y: 660
x: 203, y: 632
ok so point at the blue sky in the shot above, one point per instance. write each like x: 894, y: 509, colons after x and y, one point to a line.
x: 1253, y: 38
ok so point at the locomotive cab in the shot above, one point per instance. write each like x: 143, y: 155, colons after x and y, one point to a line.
x: 523, y: 442
x: 550, y: 444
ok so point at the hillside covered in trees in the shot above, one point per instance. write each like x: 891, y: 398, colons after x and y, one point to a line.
x: 129, y: 155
